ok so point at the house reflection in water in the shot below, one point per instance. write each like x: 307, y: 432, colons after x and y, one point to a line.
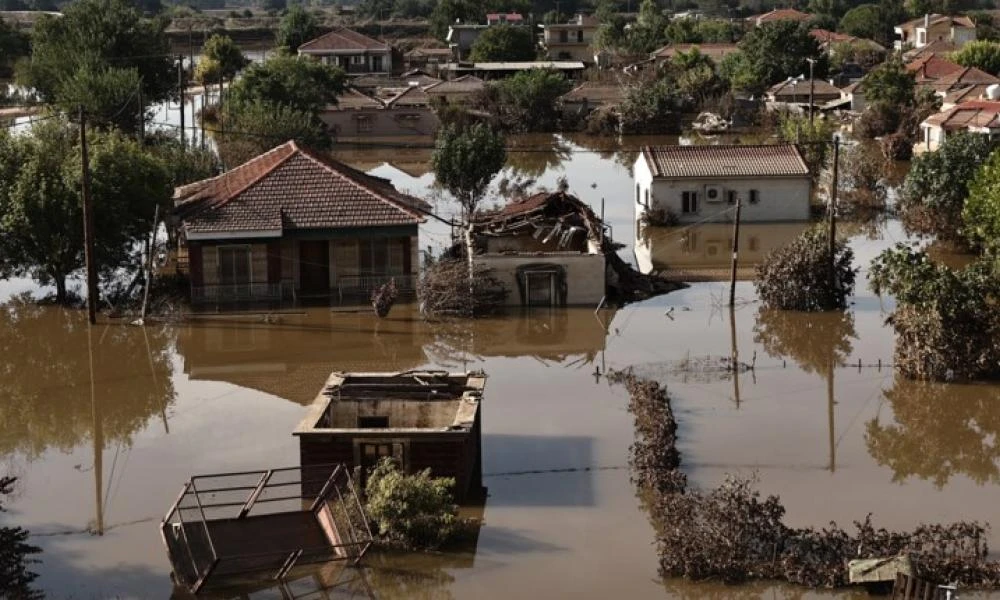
x: 704, y: 252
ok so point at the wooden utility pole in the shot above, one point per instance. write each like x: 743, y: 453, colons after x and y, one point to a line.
x: 736, y: 246
x: 812, y: 89
x: 88, y: 224
x: 180, y: 85
x: 151, y: 245
x: 832, y: 242
x: 142, y: 116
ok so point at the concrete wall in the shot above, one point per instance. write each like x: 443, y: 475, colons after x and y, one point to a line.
x: 584, y: 274
x: 780, y: 199
x: 379, y: 122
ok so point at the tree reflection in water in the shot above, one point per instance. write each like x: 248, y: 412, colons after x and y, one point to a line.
x: 45, y: 379
x: 533, y: 155
x: 815, y: 341
x: 940, y: 430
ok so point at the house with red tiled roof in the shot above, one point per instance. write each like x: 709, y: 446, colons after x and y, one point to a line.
x: 355, y: 53
x: 715, y: 51
x: 929, y: 28
x: 930, y: 68
x: 828, y: 39
x: 779, y: 14
x: 704, y: 183
x: 291, y: 224
x: 978, y: 116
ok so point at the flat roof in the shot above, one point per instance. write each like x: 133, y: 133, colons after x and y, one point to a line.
x: 559, y: 65
x: 407, y: 402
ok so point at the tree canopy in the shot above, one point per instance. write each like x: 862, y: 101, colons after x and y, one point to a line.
x: 981, y: 215
x: 106, y: 46
x: 224, y: 51
x: 982, y: 54
x: 868, y: 21
x: 773, y: 52
x: 527, y: 101
x: 465, y: 161
x: 797, y: 276
x: 41, y: 229
x: 937, y: 185
x: 504, y: 43
x: 297, y: 27
x: 298, y: 82
x: 13, y: 45
x: 890, y: 83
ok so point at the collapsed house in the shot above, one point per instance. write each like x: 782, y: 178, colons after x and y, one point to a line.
x: 547, y: 246
x: 419, y: 420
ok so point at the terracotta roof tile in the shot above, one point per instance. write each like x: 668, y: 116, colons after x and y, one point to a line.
x: 592, y: 91
x: 290, y: 188
x: 774, y: 160
x: 342, y: 39
x: 781, y: 14
x: 715, y: 51
x: 932, y: 67
x: 964, y: 77
x: 975, y: 114
x: 411, y: 96
x: 464, y: 84
x: 352, y: 99
x: 820, y: 87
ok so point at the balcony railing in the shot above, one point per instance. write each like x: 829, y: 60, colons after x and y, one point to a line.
x: 363, y: 285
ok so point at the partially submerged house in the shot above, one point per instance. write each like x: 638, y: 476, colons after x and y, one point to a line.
x: 715, y: 51
x: 591, y: 95
x: 572, y: 69
x: 704, y: 183
x: 935, y: 28
x: 404, y: 112
x: 545, y: 248
x: 456, y: 91
x: 799, y: 92
x: 418, y: 419
x: 290, y: 224
x: 461, y: 36
x: 426, y: 58
x: 355, y: 53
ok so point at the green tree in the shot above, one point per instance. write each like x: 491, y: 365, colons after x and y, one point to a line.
x: 41, y: 229
x: 528, y: 100
x: 771, y: 53
x: 890, y: 84
x: 297, y: 27
x: 651, y: 108
x: 416, y: 511
x: 465, y: 161
x: 982, y: 54
x: 224, y: 51
x: 13, y: 45
x: 649, y: 31
x: 981, y: 215
x: 299, y: 82
x: 447, y: 12
x: 683, y: 31
x: 696, y: 77
x: 797, y: 277
x: 718, y: 31
x: 249, y: 129
x: 504, y: 43
x: 814, y: 136
x: 103, y: 40
x: 937, y: 185
x: 867, y: 21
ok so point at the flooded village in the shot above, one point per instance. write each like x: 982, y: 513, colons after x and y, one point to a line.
x: 575, y: 308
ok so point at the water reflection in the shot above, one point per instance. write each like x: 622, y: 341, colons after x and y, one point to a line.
x: 815, y: 341
x: 62, y: 383
x: 704, y: 252
x: 938, y: 431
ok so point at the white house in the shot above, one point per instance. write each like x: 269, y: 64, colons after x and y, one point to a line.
x: 703, y: 183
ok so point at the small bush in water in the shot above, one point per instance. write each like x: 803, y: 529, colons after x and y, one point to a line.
x: 415, y: 511
x: 797, y: 277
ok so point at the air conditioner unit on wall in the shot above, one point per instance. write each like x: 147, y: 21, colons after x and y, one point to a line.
x: 713, y: 193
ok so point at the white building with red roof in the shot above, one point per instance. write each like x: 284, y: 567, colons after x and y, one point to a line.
x: 355, y: 53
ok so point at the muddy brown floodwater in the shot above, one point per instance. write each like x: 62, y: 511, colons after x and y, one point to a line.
x: 103, y: 426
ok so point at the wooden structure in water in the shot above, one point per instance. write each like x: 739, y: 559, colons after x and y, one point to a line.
x: 419, y: 419
x: 236, y: 529
x: 910, y: 587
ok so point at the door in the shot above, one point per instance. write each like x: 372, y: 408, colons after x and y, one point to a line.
x: 540, y: 287
x: 314, y: 267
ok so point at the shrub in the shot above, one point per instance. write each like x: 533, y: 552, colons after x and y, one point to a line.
x: 15, y: 553
x: 415, y: 511
x: 444, y: 290
x: 797, y: 277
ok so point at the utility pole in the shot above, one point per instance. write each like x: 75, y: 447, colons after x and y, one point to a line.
x: 180, y: 85
x: 832, y: 242
x: 142, y: 116
x: 736, y: 245
x: 812, y: 89
x: 88, y: 224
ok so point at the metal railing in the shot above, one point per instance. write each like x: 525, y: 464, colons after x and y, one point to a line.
x: 364, y: 284
x: 239, y: 292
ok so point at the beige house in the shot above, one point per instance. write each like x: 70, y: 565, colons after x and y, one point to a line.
x: 591, y: 95
x: 545, y: 248
x: 456, y: 91
x: 798, y: 92
x: 704, y: 183
x: 571, y: 41
x: 406, y: 112
x: 978, y: 116
x: 355, y: 53
x: 291, y: 224
x: 935, y: 28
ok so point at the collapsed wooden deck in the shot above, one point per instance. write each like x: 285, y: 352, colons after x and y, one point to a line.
x: 222, y: 534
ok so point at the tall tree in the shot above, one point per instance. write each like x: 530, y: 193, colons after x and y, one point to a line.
x: 982, y: 54
x: 773, y: 52
x: 527, y: 101
x: 106, y: 44
x: 299, y: 82
x: 867, y: 21
x: 981, y: 215
x: 504, y: 43
x: 464, y: 162
x: 447, y: 12
x: 41, y: 229
x: 223, y: 50
x: 297, y: 27
x: 890, y: 83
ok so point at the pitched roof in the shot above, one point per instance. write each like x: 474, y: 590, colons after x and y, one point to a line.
x: 826, y: 37
x: 935, y: 19
x: 353, y: 99
x: 774, y: 160
x: 942, y: 47
x: 967, y: 93
x: 429, y: 52
x: 291, y: 188
x: 715, y: 51
x: 780, y: 14
x: 978, y: 114
x: 342, y: 39
x: 966, y: 76
x: 592, y: 91
x: 931, y: 67
x: 820, y: 87
x: 411, y: 96
x: 465, y: 84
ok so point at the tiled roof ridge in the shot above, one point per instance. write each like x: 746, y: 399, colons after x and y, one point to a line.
x: 347, y: 33
x: 352, y: 176
x: 224, y: 178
